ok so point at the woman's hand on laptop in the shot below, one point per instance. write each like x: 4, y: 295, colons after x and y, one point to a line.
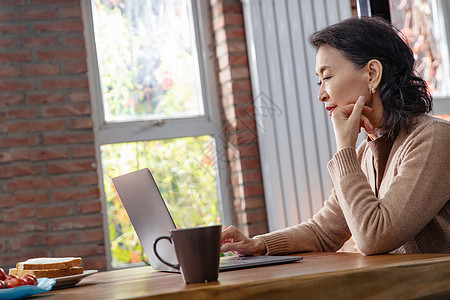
x: 236, y: 242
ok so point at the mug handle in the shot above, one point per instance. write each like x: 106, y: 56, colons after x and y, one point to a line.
x: 177, y: 266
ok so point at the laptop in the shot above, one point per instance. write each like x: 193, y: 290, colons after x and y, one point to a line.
x: 151, y: 218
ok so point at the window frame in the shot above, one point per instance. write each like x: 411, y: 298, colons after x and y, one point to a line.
x: 145, y: 130
x: 441, y: 104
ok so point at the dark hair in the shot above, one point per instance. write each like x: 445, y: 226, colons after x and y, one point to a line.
x: 403, y: 93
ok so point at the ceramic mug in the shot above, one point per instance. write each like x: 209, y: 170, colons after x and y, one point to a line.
x: 197, y: 250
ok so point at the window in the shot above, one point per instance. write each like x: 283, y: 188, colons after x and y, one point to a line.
x: 423, y: 22
x: 155, y: 106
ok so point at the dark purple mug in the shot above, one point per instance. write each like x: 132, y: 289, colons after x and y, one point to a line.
x: 197, y: 250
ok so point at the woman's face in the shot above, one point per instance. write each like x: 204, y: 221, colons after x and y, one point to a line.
x: 339, y: 81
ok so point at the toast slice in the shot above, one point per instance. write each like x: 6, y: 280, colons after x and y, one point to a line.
x: 49, y: 263
x: 49, y: 273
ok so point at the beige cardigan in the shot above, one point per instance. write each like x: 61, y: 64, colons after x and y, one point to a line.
x: 407, y: 210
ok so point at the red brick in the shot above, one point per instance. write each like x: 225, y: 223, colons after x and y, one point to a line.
x: 39, y: 183
x: 81, y: 123
x: 61, y: 26
x: 14, y: 214
x: 229, y: 33
x: 83, y: 151
x: 24, y: 113
x: 12, y: 100
x: 19, y: 141
x: 80, y: 193
x: 89, y: 207
x: 227, y: 7
x: 79, y: 96
x: 12, y: 2
x: 250, y: 164
x: 7, y: 43
x: 68, y: 110
x: 7, y: 201
x: 70, y: 12
x: 6, y: 16
x: 92, y: 235
x: 51, y: 125
x: 85, y: 179
x: 16, y: 56
x: 17, y: 85
x: 79, y: 222
x: 233, y: 60
x: 52, y: 182
x: 58, y: 55
x: 31, y: 226
x: 70, y: 166
x: 50, y: 84
x: 9, y: 71
x: 17, y: 154
x: 48, y: 153
x: 40, y: 251
x: 73, y: 41
x: 75, y: 67
x: 253, y: 202
x: 20, y: 126
x: 40, y: 41
x: 68, y: 138
x: 35, y: 14
x: 20, y: 183
x: 95, y: 263
x: 237, y: 46
x: 80, y: 250
x: 13, y: 28
x: 240, y: 72
x: 30, y: 240
x: 256, y: 229
x: 51, y: 211
x: 249, y: 150
x: 8, y: 230
x: 45, y: 98
x: 61, y: 239
x: 40, y: 69
x: 33, y: 196
x: 58, y: 2
x: 253, y: 190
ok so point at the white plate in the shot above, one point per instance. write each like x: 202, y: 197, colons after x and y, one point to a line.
x: 69, y: 281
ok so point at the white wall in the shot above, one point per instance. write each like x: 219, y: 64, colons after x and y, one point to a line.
x: 295, y: 134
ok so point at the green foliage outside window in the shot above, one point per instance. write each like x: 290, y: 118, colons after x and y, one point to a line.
x: 147, y: 71
x: 184, y: 170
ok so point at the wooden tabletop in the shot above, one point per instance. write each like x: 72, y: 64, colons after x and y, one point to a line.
x: 317, y: 276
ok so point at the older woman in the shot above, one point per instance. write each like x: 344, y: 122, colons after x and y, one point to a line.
x: 392, y: 192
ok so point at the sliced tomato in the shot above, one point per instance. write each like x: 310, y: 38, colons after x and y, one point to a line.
x: 15, y: 282
x: 30, y: 279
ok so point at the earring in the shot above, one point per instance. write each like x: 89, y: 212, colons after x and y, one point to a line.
x: 373, y: 90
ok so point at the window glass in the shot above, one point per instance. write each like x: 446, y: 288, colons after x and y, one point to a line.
x: 423, y: 27
x: 147, y: 59
x: 184, y: 170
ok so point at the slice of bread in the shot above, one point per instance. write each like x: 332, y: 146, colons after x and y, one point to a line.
x: 46, y: 263
x: 49, y: 273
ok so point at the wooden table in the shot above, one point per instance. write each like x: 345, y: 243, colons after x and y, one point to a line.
x: 317, y: 276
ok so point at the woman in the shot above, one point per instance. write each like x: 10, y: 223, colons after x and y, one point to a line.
x: 392, y: 193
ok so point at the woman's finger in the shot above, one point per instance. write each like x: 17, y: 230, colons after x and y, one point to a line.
x: 357, y: 109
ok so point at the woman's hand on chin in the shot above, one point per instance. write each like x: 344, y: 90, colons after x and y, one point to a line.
x: 348, y: 121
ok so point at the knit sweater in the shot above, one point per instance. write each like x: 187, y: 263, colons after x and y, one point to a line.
x: 390, y: 195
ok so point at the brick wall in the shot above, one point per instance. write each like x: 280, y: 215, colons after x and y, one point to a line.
x: 49, y: 194
x: 239, y: 116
